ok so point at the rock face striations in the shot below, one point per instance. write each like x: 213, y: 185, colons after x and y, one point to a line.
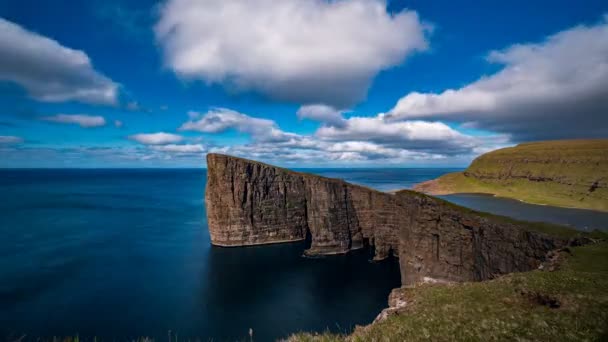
x: 251, y: 203
x: 447, y: 242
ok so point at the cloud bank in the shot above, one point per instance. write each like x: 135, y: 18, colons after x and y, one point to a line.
x: 50, y: 72
x: 554, y: 89
x: 306, y: 52
x: 357, y: 140
x: 432, y: 137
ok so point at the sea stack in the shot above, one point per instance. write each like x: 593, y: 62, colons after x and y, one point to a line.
x: 252, y: 203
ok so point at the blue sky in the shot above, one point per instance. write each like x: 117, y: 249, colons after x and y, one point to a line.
x: 351, y: 83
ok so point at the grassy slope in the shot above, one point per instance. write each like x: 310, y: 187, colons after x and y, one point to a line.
x: 570, y: 168
x: 497, y: 309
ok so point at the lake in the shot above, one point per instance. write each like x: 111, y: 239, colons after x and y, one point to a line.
x: 119, y: 254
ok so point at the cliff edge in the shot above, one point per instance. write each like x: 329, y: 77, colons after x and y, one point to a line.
x: 567, y: 173
x: 252, y: 203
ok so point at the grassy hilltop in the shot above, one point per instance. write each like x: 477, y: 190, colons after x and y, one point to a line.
x: 567, y: 173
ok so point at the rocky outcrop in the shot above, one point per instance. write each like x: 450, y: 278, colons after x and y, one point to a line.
x: 251, y: 203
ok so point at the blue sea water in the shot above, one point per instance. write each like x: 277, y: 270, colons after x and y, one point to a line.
x: 119, y: 254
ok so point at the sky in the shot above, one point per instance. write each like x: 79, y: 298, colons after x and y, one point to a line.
x: 298, y: 83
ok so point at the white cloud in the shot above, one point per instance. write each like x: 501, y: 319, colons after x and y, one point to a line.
x: 358, y: 140
x: 83, y: 120
x: 220, y: 120
x: 160, y: 138
x: 322, y: 113
x: 186, y: 148
x: 10, y: 140
x: 49, y: 71
x: 306, y: 52
x: 118, y: 123
x: 415, y: 135
x: 554, y: 89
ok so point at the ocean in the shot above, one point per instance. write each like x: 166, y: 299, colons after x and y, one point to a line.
x: 120, y: 254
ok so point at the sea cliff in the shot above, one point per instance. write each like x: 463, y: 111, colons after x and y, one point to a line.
x: 252, y: 203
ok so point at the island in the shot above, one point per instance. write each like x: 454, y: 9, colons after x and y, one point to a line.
x: 565, y: 173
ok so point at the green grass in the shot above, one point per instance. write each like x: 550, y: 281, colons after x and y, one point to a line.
x: 566, y: 173
x: 502, y: 309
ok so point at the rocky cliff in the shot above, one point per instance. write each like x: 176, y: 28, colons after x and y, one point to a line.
x: 443, y: 241
x: 251, y: 203
x: 569, y: 173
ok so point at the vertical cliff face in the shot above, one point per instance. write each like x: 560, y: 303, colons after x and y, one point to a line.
x: 251, y: 203
x: 445, y: 242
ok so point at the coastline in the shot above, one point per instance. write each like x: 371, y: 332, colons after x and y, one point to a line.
x: 446, y: 185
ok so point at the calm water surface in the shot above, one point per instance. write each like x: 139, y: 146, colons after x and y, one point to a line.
x: 580, y: 219
x: 126, y: 253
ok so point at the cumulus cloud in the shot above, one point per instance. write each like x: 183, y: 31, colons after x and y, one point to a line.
x: 118, y: 123
x: 322, y: 113
x: 557, y: 88
x: 10, y: 140
x: 83, y: 120
x: 160, y: 138
x: 306, y: 52
x: 49, y: 71
x: 219, y: 120
x: 411, y: 135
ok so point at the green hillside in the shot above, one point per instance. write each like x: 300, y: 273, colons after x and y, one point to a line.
x: 567, y: 173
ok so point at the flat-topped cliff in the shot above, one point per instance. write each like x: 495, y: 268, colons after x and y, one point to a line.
x: 252, y: 203
x: 569, y: 173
